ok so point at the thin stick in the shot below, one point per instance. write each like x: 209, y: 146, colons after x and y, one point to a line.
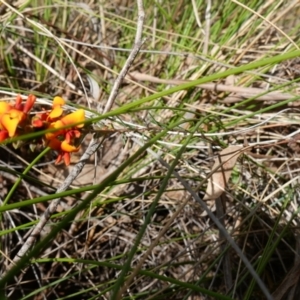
x: 196, y: 14
x: 136, y: 48
x: 239, y: 91
x: 207, y: 27
x: 93, y: 146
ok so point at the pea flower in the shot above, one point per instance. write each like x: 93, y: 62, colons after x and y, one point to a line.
x: 63, y: 140
x: 57, y: 110
x: 15, y: 120
x: 40, y: 119
x: 11, y: 116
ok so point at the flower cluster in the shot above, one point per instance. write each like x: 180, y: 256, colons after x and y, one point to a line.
x: 64, y: 129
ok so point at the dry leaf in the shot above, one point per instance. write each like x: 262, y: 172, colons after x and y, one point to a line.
x: 94, y: 87
x: 223, y: 167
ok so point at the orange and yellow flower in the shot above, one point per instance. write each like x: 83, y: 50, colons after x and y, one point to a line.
x: 11, y: 116
x: 65, y: 147
x: 63, y: 139
x: 57, y: 110
x: 65, y: 130
x: 40, y: 119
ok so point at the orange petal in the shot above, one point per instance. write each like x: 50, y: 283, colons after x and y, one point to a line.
x: 18, y: 104
x: 55, y: 144
x: 42, y: 116
x: 70, y: 134
x: 29, y: 103
x: 59, y: 158
x: 77, y: 133
x: 37, y: 122
x: 73, y: 118
x: 67, y: 158
x: 3, y: 135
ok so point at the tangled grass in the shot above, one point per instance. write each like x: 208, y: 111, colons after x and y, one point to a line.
x: 133, y: 224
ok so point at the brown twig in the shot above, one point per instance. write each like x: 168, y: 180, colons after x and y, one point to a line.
x: 239, y: 92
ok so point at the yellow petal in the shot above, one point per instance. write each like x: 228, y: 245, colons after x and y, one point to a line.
x: 58, y: 101
x: 16, y: 114
x: 68, y: 148
x: 56, y: 112
x: 4, y: 107
x: 10, y: 124
x: 73, y: 118
x: 54, y: 125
